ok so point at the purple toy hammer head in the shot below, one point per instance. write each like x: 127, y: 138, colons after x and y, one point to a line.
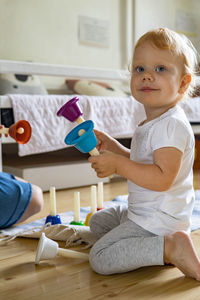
x: 70, y: 110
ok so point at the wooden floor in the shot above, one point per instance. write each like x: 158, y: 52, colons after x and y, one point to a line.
x: 73, y: 279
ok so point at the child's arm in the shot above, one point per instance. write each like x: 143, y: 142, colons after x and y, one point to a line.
x: 158, y: 176
x: 106, y: 142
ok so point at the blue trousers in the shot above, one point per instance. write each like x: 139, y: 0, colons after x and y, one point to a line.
x: 15, y: 197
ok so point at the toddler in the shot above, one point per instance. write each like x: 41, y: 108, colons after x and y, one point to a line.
x: 155, y: 229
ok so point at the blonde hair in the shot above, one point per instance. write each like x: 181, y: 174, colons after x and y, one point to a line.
x: 180, y: 45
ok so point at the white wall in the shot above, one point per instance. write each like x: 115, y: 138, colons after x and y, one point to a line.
x: 166, y: 13
x: 196, y: 11
x: 47, y: 31
x: 153, y: 14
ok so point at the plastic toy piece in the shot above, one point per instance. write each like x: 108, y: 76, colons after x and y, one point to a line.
x: 71, y: 111
x: 100, y: 196
x: 93, y: 204
x: 48, y: 249
x: 77, y: 220
x: 83, y: 138
x: 81, y: 223
x: 20, y: 131
x: 53, y: 218
x: 87, y: 220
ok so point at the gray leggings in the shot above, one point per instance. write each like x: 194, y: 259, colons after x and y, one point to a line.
x: 122, y: 245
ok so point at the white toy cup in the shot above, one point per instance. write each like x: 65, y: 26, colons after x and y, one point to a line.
x: 48, y: 249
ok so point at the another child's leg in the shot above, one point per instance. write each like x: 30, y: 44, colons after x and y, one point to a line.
x: 125, y: 248
x: 179, y: 251
x: 106, y: 219
x: 36, y: 203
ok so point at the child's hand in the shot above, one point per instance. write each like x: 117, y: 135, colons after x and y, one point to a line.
x: 104, y: 164
x: 103, y: 140
x: 6, y: 135
x: 106, y: 142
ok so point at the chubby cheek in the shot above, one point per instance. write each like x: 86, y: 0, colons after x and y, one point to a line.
x: 133, y: 85
x: 171, y: 88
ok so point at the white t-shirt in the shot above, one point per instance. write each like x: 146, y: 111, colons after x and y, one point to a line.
x: 165, y: 212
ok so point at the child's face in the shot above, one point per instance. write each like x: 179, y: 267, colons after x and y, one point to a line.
x: 156, y: 77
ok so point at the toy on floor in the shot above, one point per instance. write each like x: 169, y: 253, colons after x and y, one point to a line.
x: 93, y: 204
x: 77, y: 220
x: 100, y: 196
x: 53, y: 218
x: 48, y: 249
x: 20, y: 131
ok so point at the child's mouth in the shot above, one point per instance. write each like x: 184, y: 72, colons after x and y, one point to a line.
x: 148, y: 89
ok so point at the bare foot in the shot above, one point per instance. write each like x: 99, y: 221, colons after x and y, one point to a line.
x: 179, y: 251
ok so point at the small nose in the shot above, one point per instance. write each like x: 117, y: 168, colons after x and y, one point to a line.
x: 147, y: 76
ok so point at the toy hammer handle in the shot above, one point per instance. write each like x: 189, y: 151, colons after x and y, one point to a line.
x: 95, y: 152
x: 80, y: 120
x: 73, y: 254
x: 4, y: 130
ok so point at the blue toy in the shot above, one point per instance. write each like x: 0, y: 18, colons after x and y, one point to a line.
x: 83, y: 138
x: 53, y: 218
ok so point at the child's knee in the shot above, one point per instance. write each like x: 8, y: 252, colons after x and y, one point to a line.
x: 37, y: 198
x: 94, y: 224
x: 97, y: 262
x: 92, y: 220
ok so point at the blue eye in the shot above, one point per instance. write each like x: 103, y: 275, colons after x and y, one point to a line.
x: 139, y: 69
x: 160, y: 69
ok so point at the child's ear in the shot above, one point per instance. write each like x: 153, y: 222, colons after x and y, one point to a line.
x: 185, y: 82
